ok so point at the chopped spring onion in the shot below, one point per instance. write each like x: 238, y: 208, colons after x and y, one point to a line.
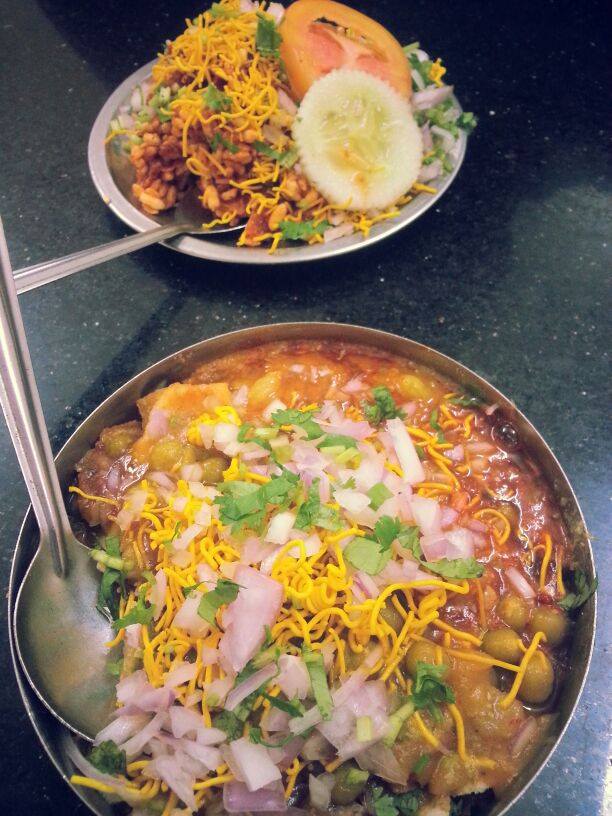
x: 318, y: 681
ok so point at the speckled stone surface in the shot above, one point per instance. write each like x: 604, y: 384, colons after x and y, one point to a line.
x: 506, y: 274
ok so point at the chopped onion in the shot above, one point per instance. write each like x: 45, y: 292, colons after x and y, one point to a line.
x: 427, y: 514
x: 183, y: 673
x: 280, y: 527
x: 253, y: 764
x: 520, y: 583
x: 319, y: 789
x: 157, y: 424
x: 430, y: 97
x: 284, y: 100
x: 192, y: 472
x: 248, y: 686
x: 352, y: 500
x: 132, y: 635
x: 293, y: 679
x: 158, y: 593
x: 380, y: 760
x: 405, y: 451
x: 187, y: 536
x: 237, y: 798
x: 187, y: 617
x: 275, y: 405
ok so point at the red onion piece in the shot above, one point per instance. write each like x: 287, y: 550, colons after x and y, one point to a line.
x: 520, y: 582
x: 248, y: 686
x: 237, y: 798
x: 253, y: 764
x: 430, y: 97
x: 405, y: 451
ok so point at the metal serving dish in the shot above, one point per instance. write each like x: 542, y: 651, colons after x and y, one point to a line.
x: 113, y: 177
x: 120, y: 407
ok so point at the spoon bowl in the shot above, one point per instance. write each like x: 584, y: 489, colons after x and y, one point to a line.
x: 61, y: 638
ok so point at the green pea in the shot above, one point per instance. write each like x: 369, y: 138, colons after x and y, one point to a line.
x: 539, y: 679
x: 553, y: 622
x: 116, y: 441
x: 169, y: 453
x: 513, y: 611
x: 212, y: 469
x: 349, y: 783
x: 421, y: 652
x: 503, y: 644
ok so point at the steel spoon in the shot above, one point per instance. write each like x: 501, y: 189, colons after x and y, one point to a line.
x: 186, y: 217
x: 60, y: 635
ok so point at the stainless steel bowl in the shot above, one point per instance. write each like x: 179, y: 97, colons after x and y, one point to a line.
x: 112, y: 177
x: 120, y: 407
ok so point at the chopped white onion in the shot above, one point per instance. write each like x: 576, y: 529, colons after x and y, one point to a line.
x: 253, y: 764
x: 405, y: 451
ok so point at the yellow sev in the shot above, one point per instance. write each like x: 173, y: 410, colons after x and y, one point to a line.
x: 319, y: 606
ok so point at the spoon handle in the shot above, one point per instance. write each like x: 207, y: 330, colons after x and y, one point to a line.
x: 39, y: 274
x: 23, y: 413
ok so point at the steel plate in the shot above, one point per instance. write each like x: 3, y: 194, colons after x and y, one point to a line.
x: 113, y: 180
x: 120, y: 407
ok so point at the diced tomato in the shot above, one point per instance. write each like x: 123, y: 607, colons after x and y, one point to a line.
x: 321, y: 35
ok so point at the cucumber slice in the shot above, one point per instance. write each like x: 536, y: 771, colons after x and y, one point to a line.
x: 358, y: 142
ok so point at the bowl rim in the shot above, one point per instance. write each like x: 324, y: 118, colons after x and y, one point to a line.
x: 225, y: 343
x: 214, y: 250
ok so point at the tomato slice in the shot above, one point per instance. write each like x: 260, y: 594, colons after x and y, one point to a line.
x: 320, y: 35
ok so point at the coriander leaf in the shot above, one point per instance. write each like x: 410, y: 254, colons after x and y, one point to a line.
x: 140, y: 613
x: 378, y: 495
x: 314, y: 514
x: 227, y: 721
x: 115, y: 667
x: 267, y: 38
x: 413, y: 46
x: 337, y: 441
x: 408, y: 538
x: 300, y: 419
x: 467, y: 121
x: 188, y: 589
x: 107, y: 757
x: 455, y: 567
x: 365, y: 555
x: 108, y: 599
x: 408, y: 803
x: 218, y: 139
x: 286, y: 158
x: 386, y: 531
x: 433, y: 421
x: 302, y: 230
x: 582, y: 593
x: 318, y: 681
x: 384, y: 406
x: 429, y: 689
x: 292, y: 707
x: 215, y: 99
x: 225, y: 592
x: 255, y: 735
x: 469, y: 399
x: 382, y: 803
x: 420, y: 764
x: 350, y: 484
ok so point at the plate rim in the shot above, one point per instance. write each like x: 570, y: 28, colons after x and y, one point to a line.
x: 197, y: 247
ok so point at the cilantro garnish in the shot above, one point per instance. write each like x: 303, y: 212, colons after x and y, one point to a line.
x: 140, y: 613
x: 582, y: 593
x: 227, y: 721
x: 299, y: 419
x: 115, y: 667
x: 378, y: 495
x: 401, y: 804
x: 292, y: 707
x: 267, y: 38
x: 429, y: 689
x: 318, y: 681
x: 384, y: 406
x: 107, y: 757
x: 433, y: 422
x: 337, y: 441
x: 420, y: 764
x: 215, y: 99
x: 112, y: 581
x: 286, y: 158
x: 218, y: 139
x: 469, y: 399
x: 243, y: 504
x: 302, y: 230
x: 458, y: 568
x: 225, y: 592
x: 467, y: 121
x: 371, y: 555
x: 256, y: 736
x: 314, y: 514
